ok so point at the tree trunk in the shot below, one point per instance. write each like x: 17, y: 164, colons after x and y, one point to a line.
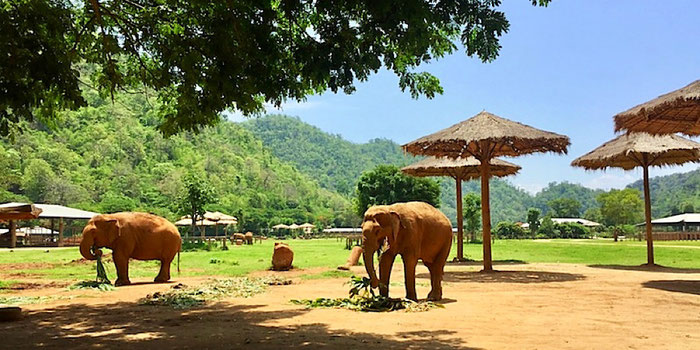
x: 460, y: 221
x: 60, y: 232
x: 13, y: 234
x: 486, y: 214
x: 647, y: 214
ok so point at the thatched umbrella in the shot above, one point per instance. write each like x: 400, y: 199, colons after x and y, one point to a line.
x: 486, y: 136
x: 460, y: 169
x: 677, y: 111
x: 631, y: 150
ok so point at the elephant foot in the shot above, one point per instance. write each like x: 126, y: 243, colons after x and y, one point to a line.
x: 435, y: 296
x: 160, y: 279
x: 412, y: 297
x: 122, y: 282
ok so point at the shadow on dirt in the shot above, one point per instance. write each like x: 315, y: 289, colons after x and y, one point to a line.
x: 646, y: 268
x: 129, y: 325
x: 481, y: 263
x: 507, y: 276
x: 679, y: 286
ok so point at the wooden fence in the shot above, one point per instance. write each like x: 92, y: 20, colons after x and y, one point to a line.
x: 676, y: 236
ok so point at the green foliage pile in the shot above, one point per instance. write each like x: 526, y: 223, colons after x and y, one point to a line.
x: 362, y: 298
x: 109, y: 156
x: 386, y: 184
x: 101, y: 286
x: 184, y: 297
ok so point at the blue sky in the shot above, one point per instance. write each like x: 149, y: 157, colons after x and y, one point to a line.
x: 567, y: 68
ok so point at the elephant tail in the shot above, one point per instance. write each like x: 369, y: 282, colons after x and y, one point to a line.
x: 178, y: 257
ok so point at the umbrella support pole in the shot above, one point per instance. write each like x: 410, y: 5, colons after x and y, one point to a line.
x: 647, y: 214
x: 460, y: 221
x: 486, y: 215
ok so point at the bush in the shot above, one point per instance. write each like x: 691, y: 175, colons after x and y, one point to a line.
x: 509, y: 230
x: 572, y: 230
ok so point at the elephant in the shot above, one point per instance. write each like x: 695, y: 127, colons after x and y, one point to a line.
x: 248, y: 237
x: 130, y: 235
x: 416, y: 230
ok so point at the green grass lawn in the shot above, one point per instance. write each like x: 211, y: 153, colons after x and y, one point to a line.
x: 59, y: 263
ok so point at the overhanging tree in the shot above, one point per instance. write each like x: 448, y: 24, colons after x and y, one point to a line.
x: 204, y: 57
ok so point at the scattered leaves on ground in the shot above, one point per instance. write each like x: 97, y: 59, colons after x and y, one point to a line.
x: 181, y: 296
x: 101, y: 286
x: 363, y: 298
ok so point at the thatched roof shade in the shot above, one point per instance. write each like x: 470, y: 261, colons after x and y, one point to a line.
x: 507, y: 138
x: 677, y: 111
x: 18, y: 211
x: 464, y: 168
x: 629, y: 151
x: 280, y: 226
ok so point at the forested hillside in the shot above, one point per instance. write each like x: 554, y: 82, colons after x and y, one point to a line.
x: 334, y: 162
x: 109, y: 157
x: 673, y: 194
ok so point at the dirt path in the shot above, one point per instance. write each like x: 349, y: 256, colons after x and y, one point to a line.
x: 537, y: 306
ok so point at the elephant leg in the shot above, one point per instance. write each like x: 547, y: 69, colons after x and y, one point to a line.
x: 386, y: 261
x: 435, y: 281
x: 121, y: 263
x: 409, y: 270
x: 164, y: 274
x: 437, y: 270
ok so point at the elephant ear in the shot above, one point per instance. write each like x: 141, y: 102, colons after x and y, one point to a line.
x: 110, y: 227
x: 397, y: 223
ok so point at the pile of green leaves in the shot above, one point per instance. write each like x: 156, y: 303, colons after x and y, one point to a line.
x: 101, y: 286
x: 362, y: 298
x: 184, y: 297
x: 101, y: 273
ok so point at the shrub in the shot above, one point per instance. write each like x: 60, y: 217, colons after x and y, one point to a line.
x: 572, y: 230
x: 509, y: 230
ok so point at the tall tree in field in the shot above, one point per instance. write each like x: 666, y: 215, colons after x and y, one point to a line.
x: 472, y: 213
x: 619, y: 207
x: 565, y: 207
x: 533, y: 220
x: 204, y: 57
x: 197, y: 194
x: 386, y: 184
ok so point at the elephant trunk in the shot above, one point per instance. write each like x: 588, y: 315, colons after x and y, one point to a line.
x: 367, y: 255
x: 86, y: 245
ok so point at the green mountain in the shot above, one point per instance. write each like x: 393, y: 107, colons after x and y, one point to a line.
x: 109, y: 157
x: 329, y: 159
x: 673, y: 194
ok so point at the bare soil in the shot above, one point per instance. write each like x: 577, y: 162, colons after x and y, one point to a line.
x: 525, y: 306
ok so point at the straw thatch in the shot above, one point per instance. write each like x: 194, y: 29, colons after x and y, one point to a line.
x: 631, y: 150
x: 505, y: 138
x: 220, y: 218
x: 643, y: 150
x: 280, y: 226
x: 187, y: 221
x: 463, y: 168
x: 307, y: 225
x: 677, y: 111
x: 18, y: 211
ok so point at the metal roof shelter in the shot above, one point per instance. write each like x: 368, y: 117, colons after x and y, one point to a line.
x: 23, y: 211
x: 584, y: 222
x: 688, y: 218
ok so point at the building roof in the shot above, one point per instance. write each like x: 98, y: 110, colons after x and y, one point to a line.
x: 54, y: 211
x: 343, y: 230
x: 688, y: 218
x: 584, y: 222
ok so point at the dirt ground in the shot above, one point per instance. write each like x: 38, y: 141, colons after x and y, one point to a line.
x: 526, y: 306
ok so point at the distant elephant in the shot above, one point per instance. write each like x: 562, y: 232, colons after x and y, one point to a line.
x: 238, y: 236
x: 137, y: 236
x: 249, y: 238
x: 416, y: 230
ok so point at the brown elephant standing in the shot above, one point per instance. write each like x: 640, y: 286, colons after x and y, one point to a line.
x: 416, y: 230
x: 138, y: 236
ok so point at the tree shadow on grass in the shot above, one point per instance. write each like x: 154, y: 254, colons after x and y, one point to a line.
x: 508, y: 276
x: 680, y: 286
x: 646, y: 268
x: 128, y: 325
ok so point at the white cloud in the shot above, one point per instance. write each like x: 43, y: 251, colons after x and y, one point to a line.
x: 608, y: 181
x: 531, y: 188
x: 291, y: 106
